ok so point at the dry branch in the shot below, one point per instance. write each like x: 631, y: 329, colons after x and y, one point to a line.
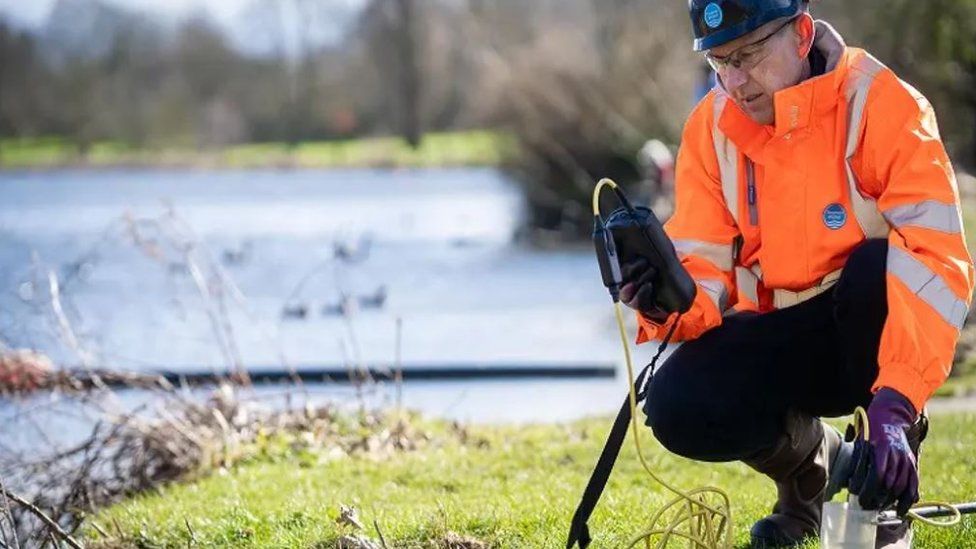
x: 8, y: 518
x: 36, y: 511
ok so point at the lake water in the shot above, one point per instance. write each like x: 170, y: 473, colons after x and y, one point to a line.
x: 440, y: 244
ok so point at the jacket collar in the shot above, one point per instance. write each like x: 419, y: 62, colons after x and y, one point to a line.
x: 797, y: 105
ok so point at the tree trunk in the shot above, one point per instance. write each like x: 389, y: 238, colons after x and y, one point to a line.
x: 409, y: 73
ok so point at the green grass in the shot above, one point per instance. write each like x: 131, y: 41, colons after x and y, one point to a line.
x: 468, y: 148
x: 969, y: 223
x: 506, y: 486
x: 961, y: 382
x: 34, y: 152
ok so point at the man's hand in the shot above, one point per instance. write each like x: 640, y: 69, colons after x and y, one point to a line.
x: 638, y: 289
x: 886, y: 470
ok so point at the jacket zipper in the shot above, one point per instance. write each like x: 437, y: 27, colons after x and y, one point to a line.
x: 751, y: 192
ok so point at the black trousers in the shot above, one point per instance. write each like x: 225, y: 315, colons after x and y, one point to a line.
x: 724, y: 396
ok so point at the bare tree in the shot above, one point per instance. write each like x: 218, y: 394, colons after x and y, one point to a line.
x: 392, y: 32
x: 407, y: 32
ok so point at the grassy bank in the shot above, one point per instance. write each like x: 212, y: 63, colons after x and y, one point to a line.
x: 472, y: 148
x: 501, y: 486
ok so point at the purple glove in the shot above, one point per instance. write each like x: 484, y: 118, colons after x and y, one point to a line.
x: 886, y: 470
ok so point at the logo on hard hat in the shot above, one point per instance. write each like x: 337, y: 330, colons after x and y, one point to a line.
x: 713, y: 15
x: 834, y: 216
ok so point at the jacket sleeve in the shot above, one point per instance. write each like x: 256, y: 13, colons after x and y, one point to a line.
x: 702, y: 231
x: 929, y: 269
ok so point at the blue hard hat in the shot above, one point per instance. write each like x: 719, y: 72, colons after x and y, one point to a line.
x: 716, y: 22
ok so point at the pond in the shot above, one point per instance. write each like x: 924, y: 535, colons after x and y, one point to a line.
x: 194, y: 270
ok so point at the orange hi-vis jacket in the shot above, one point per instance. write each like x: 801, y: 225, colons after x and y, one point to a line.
x: 766, y: 216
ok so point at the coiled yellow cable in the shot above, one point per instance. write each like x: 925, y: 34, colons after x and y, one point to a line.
x: 702, y: 516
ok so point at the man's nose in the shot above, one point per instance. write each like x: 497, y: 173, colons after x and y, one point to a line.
x: 734, y: 78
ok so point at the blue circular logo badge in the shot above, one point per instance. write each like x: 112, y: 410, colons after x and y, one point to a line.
x: 713, y: 15
x: 834, y: 216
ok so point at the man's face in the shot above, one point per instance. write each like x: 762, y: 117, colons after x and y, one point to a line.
x: 765, y: 66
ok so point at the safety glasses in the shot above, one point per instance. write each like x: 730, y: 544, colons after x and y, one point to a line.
x: 746, y: 57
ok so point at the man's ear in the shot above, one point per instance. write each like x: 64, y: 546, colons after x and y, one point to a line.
x: 806, y: 32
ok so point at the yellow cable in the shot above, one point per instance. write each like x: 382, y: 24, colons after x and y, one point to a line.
x: 605, y: 182
x: 861, y: 426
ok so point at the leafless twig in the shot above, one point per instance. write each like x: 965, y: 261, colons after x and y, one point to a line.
x: 193, y: 537
x: 8, y: 518
x: 380, y: 534
x: 55, y: 528
x: 398, y: 364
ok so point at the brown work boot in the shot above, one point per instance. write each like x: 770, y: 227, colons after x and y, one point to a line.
x: 799, y: 464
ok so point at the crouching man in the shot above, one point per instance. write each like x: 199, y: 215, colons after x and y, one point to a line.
x: 818, y: 213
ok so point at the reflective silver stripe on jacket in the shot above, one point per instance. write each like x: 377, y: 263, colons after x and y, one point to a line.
x: 786, y: 298
x: 747, y: 284
x: 727, y: 154
x: 859, y: 83
x: 928, y: 286
x: 728, y: 159
x: 715, y: 289
x: 718, y: 254
x: 929, y: 214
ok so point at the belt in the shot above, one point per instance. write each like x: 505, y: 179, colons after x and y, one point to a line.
x: 785, y: 298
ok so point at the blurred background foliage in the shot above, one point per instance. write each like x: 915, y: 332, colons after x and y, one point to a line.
x: 576, y: 87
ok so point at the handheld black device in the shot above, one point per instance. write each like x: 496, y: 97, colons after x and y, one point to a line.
x: 630, y: 233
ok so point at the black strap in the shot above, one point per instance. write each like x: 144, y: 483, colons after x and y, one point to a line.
x: 579, y: 532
